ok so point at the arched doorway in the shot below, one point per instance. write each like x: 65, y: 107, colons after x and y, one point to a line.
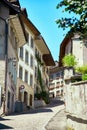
x: 25, y: 97
x: 30, y: 100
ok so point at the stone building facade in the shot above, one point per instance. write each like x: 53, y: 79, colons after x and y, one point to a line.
x: 73, y: 45
x: 10, y: 40
x: 31, y: 56
x: 56, y: 83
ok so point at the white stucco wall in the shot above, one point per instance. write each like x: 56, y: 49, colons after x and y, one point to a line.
x: 76, y: 104
x: 78, y: 51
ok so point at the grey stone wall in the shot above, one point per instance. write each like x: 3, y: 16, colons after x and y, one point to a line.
x: 76, y: 102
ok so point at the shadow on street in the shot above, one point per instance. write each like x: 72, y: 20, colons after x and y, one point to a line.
x: 2, y: 126
x: 53, y: 102
x: 34, y: 111
x: 2, y: 119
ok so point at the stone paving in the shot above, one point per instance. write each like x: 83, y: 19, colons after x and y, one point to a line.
x: 36, y: 119
x: 58, y: 122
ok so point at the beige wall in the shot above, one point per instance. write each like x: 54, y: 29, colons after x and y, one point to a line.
x: 27, y: 89
x: 4, y: 13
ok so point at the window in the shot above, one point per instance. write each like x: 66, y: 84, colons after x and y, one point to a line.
x: 21, y: 52
x: 47, y: 71
x: 37, y: 90
x: 35, y: 51
x: 8, y: 103
x: 62, y: 73
x: 47, y: 82
x: 35, y: 72
x: 58, y: 74
x: 31, y: 80
x: 26, y: 76
x: 32, y: 44
x: 27, y: 36
x: 31, y: 61
x: 20, y: 72
x: 51, y: 76
x: 26, y: 57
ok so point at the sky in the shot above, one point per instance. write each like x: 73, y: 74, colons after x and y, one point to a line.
x: 43, y: 14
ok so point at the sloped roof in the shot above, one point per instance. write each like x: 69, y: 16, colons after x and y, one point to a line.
x: 63, y: 46
x: 46, y: 54
x: 16, y: 20
x: 28, y: 22
x: 12, y: 8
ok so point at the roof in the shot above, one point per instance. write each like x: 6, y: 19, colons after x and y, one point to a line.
x: 15, y: 18
x: 46, y: 54
x: 39, y: 41
x: 20, y: 30
x: 56, y: 69
x: 31, y: 26
x: 13, y: 9
x: 63, y: 46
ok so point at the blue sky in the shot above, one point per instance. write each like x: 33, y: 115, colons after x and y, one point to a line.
x: 43, y: 14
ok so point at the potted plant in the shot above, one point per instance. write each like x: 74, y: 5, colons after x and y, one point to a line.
x: 69, y: 60
x: 69, y: 63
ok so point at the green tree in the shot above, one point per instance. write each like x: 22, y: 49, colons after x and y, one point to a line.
x: 77, y: 22
x: 69, y: 60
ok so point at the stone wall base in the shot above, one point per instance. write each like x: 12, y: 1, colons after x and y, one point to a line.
x: 76, y: 123
x: 39, y: 103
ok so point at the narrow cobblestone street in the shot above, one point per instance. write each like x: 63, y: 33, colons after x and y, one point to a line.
x: 36, y: 119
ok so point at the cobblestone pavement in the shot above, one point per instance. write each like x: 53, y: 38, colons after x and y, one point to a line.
x: 58, y: 122
x: 36, y: 119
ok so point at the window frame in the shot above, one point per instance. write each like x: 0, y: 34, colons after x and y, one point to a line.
x: 21, y: 52
x: 20, y: 73
x: 26, y: 76
x: 26, y: 57
x: 31, y: 80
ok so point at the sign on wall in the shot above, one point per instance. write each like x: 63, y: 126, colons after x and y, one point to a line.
x: 21, y: 88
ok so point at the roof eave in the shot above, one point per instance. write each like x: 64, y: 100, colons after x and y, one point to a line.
x: 11, y: 7
x: 29, y: 24
x: 63, y: 46
x: 20, y: 31
x: 46, y: 54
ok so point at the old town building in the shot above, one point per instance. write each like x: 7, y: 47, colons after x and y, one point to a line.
x: 24, y: 58
x: 29, y: 54
x: 56, y: 81
x: 72, y: 44
x: 10, y: 41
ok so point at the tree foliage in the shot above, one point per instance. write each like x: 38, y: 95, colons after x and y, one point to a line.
x: 78, y: 22
x: 69, y: 60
